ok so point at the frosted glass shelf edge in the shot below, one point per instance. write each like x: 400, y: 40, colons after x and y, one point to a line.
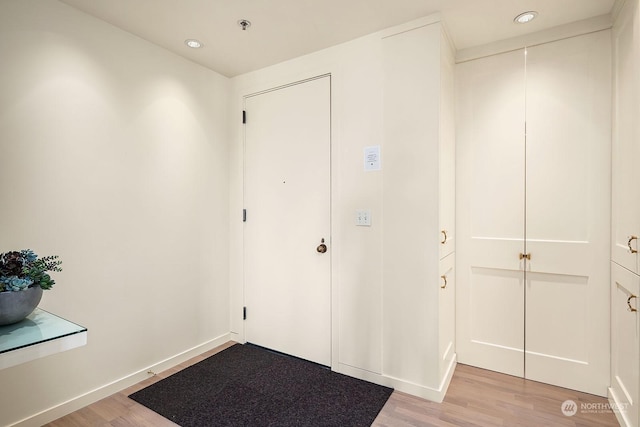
x: 40, y: 334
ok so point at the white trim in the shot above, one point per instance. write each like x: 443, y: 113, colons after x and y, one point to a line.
x: 617, y: 8
x: 432, y: 394
x: 598, y: 23
x: 116, y: 386
x: 621, y: 416
x: 284, y: 86
x: 411, y: 25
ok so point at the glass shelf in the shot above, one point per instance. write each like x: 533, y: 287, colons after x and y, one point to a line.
x: 40, y: 334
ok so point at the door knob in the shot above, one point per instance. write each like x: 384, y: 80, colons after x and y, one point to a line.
x: 527, y: 256
x: 631, y: 239
x: 322, y: 248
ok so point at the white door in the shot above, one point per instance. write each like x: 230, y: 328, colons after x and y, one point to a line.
x: 490, y: 213
x: 544, y: 195
x: 626, y: 147
x: 447, y: 311
x: 447, y: 151
x: 568, y: 189
x: 287, y: 201
x: 625, y: 344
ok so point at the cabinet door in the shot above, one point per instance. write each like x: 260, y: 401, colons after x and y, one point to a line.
x: 626, y: 141
x: 625, y: 341
x: 447, y: 152
x: 447, y: 311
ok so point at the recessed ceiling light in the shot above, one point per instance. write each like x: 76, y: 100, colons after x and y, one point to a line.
x: 193, y: 43
x: 525, y: 17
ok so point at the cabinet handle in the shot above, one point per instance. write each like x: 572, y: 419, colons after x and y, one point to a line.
x: 445, y: 282
x: 630, y: 308
x: 631, y: 239
x: 527, y: 256
x: 444, y: 240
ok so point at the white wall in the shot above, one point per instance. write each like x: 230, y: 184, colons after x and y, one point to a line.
x: 364, y: 341
x: 113, y: 155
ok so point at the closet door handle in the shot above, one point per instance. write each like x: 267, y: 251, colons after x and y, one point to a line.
x: 444, y: 240
x: 631, y: 239
x: 527, y: 256
x: 629, y: 307
x: 445, y: 282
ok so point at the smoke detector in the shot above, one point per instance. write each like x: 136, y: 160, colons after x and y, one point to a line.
x: 244, y: 24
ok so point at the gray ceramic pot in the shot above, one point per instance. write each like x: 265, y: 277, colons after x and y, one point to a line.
x: 15, y: 306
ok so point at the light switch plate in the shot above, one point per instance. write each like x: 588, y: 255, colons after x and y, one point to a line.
x: 363, y: 217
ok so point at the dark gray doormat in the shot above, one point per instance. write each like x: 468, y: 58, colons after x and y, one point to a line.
x: 246, y: 385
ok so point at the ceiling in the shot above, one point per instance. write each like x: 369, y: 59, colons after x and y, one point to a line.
x: 285, y: 29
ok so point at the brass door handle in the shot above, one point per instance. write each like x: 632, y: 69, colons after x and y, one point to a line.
x: 445, y: 282
x: 322, y: 248
x: 631, y: 239
x: 527, y: 256
x: 629, y: 307
x: 444, y: 240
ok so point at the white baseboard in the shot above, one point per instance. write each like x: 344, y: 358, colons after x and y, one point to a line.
x: 446, y: 380
x: 106, y: 390
x: 432, y: 394
x: 116, y: 386
x: 621, y: 416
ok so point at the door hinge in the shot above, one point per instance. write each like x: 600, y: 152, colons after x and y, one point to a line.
x: 244, y: 117
x: 244, y: 215
x: 244, y: 313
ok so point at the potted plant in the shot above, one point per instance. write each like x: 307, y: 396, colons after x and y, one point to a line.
x: 23, y: 276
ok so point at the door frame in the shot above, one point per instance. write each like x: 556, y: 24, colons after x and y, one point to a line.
x: 322, y: 324
x: 237, y: 291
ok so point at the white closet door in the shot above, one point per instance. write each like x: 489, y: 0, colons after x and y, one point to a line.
x: 490, y: 157
x: 625, y: 344
x: 568, y: 185
x: 626, y: 147
x: 447, y: 164
x: 555, y: 327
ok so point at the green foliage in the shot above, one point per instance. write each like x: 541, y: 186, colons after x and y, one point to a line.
x: 37, y: 271
x: 20, y: 270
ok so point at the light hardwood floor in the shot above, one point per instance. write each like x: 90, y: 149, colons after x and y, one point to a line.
x: 476, y: 397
